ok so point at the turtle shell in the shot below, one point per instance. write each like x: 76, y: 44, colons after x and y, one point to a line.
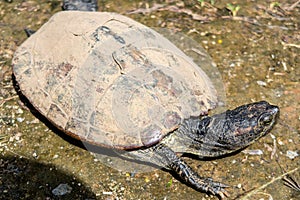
x: 110, y: 81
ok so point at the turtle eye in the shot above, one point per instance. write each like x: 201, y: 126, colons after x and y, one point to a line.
x: 265, y: 119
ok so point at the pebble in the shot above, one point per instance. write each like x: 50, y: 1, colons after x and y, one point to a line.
x: 292, y: 154
x: 261, y: 83
x: 20, y: 119
x: 253, y: 152
x: 62, y: 189
x: 19, y: 111
x: 107, y: 193
x: 34, y: 154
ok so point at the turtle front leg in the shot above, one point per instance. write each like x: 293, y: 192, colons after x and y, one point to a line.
x: 163, y: 156
x: 190, y: 177
x: 187, y: 174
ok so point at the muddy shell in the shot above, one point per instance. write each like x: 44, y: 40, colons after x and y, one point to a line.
x: 110, y: 81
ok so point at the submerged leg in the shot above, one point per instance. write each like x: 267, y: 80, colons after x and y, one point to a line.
x: 163, y: 156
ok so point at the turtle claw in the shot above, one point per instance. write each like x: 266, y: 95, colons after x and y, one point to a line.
x: 217, y: 188
x: 223, y: 194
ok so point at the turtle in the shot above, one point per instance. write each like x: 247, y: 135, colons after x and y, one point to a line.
x: 109, y: 81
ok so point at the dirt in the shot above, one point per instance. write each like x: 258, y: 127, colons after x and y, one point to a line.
x: 257, y: 54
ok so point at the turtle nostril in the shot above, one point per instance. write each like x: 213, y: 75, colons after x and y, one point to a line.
x: 273, y: 109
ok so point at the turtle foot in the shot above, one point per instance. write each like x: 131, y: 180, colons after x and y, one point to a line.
x: 210, y: 186
x: 190, y: 177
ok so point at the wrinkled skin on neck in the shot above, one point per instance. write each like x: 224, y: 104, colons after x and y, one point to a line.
x: 226, y: 132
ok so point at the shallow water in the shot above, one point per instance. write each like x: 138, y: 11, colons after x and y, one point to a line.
x: 257, y: 54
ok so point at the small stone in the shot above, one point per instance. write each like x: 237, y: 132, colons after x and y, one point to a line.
x: 107, y: 193
x: 20, y: 111
x: 292, y: 154
x: 34, y: 155
x: 62, y: 189
x: 20, y: 119
x: 147, y: 180
x: 280, y: 142
x: 203, y: 33
x: 253, y: 152
x: 261, y: 83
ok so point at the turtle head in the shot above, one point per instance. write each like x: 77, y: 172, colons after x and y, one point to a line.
x: 245, y: 124
x: 234, y: 129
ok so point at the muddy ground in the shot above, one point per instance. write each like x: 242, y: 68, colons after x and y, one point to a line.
x: 256, y: 52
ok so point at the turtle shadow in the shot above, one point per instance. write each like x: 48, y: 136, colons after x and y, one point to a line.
x: 25, y: 178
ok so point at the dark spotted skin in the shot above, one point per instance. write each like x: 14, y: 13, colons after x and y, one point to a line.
x: 212, y: 136
x: 229, y: 131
